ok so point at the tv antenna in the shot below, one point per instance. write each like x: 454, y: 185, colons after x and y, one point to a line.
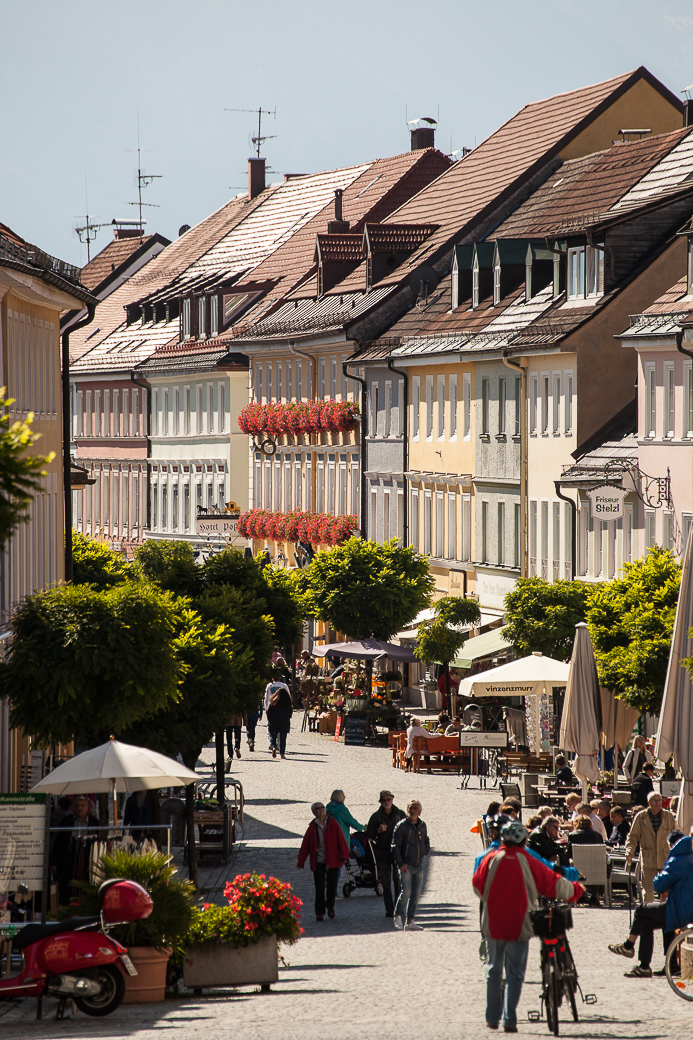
x: 143, y: 179
x: 88, y: 229
x: 257, y: 141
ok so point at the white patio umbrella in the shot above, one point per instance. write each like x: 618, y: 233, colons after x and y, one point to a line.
x: 115, y: 767
x: 581, y: 724
x: 675, y: 730
x: 534, y: 674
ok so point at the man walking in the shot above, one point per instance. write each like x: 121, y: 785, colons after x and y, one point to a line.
x: 410, y: 846
x: 649, y: 830
x: 507, y: 882
x: 324, y: 845
x: 379, y: 830
x: 642, y: 786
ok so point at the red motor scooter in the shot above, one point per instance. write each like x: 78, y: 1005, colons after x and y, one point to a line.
x: 77, y: 959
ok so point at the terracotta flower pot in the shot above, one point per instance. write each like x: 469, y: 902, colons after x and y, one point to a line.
x: 149, y: 985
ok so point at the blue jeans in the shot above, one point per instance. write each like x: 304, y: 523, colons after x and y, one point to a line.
x: 278, y: 740
x: 408, y: 899
x: 514, y: 956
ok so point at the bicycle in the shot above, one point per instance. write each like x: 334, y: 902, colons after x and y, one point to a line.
x: 679, y: 964
x: 559, y: 975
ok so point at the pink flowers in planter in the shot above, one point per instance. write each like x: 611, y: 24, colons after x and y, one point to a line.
x: 321, y: 528
x: 298, y: 417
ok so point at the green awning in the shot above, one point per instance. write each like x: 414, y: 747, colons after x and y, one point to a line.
x: 487, y: 645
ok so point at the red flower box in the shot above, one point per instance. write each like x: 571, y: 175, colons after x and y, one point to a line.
x: 298, y: 417
x: 297, y: 526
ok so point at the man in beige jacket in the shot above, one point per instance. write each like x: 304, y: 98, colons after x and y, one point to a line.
x: 649, y: 830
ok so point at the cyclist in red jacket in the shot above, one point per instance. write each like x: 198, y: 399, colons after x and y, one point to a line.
x: 508, y: 882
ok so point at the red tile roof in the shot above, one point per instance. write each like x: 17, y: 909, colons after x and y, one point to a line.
x: 344, y: 248
x: 105, y: 262
x: 397, y: 238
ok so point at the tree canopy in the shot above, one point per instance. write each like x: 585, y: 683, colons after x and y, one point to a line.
x: 20, y: 473
x: 441, y: 638
x: 540, y: 616
x: 95, y: 563
x: 365, y: 589
x: 631, y: 620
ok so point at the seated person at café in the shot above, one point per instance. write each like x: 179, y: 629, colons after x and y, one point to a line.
x: 544, y: 841
x: 601, y: 807
x: 544, y: 811
x: 585, y: 809
x: 619, y: 826
x: 454, y: 728
x: 584, y: 834
x: 642, y: 786
x: 571, y: 803
x: 492, y: 810
x: 532, y: 822
x: 564, y: 774
x: 443, y: 722
x: 414, y: 731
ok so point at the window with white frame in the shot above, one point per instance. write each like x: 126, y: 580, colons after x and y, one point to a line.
x: 576, y: 273
x: 164, y: 414
x: 517, y: 535
x: 453, y: 408
x: 466, y: 527
x: 320, y: 485
x: 269, y: 381
x: 342, y: 484
x: 429, y: 408
x: 466, y: 406
x: 485, y: 407
x: 568, y: 403
x: 556, y: 540
x: 414, y: 519
x: 333, y: 378
x: 400, y: 514
x: 415, y: 407
x: 355, y: 487
x: 299, y: 380
x: 199, y: 428
x: 214, y: 315
x: 533, y: 539
x: 428, y: 522
x: 686, y: 522
x: 277, y: 482
x: 556, y: 402
x: 331, y: 485
x: 650, y: 401
x: 210, y: 408
x: 500, y: 532
x: 176, y: 411
x: 126, y: 414
x: 688, y: 400
x: 533, y: 403
x: 518, y: 406
x: 440, y: 525
x: 202, y: 317
x: 452, y: 526
x: 287, y: 484
x: 107, y: 413
x: 669, y: 396
x: 375, y: 408
x: 258, y: 381
x: 595, y: 271
x: 545, y: 540
x: 544, y: 402
x: 186, y: 319
x: 650, y: 520
x: 502, y: 398
x: 441, y: 408
x: 344, y: 381
x: 583, y: 540
x: 222, y: 408
x: 397, y: 398
x: 568, y: 541
x: 321, y: 379
x: 298, y: 480
x: 388, y: 408
x: 668, y: 531
x: 484, y: 531
x: 289, y: 381
x: 280, y: 373
x: 386, y: 516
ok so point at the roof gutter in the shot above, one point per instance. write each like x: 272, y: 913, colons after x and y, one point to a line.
x: 148, y: 435
x: 67, y: 421
x: 678, y: 336
x: 404, y: 534
x: 364, y: 432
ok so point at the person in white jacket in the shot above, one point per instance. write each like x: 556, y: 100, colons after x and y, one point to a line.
x: 637, y: 757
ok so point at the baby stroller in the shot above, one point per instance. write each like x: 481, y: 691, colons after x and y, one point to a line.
x: 361, y: 870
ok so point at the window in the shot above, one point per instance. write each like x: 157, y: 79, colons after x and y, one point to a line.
x: 485, y: 403
x: 545, y: 540
x: 107, y: 413
x: 320, y: 488
x: 517, y: 535
x: 502, y: 395
x: 688, y: 412
x: 397, y: 399
x: 126, y: 414
x: 440, y: 525
x: 386, y: 516
x: 222, y: 408
x: 533, y: 402
x: 388, y: 408
x: 668, y: 531
x: 650, y: 401
x: 414, y: 519
x: 568, y: 541
x: 333, y: 378
x: 429, y: 408
x: 544, y: 403
x: 532, y: 539
x: 501, y: 534
x: 595, y: 271
x: 280, y: 372
x: 186, y: 319
x: 186, y: 507
x: 466, y: 527
x: 441, y: 408
x: 415, y: 407
x: 576, y: 273
x: 669, y: 390
x: 164, y: 507
x: 484, y: 532
x: 331, y: 486
x: 88, y: 424
x: 452, y: 526
x: 321, y: 379
x: 496, y: 284
x: 210, y: 408
x: 375, y: 408
x: 289, y: 387
x: 628, y: 534
x: 649, y: 529
x: 466, y: 406
x: 428, y: 522
x: 164, y: 414
x: 355, y: 487
x: 299, y: 380
x: 518, y: 397
x: 202, y: 317
x: 198, y: 410
x: 453, y: 408
x: 174, y: 508
x: 583, y: 540
x: 556, y: 402
x: 686, y: 522
x: 214, y: 315
x: 342, y: 504
x: 556, y: 540
x: 258, y: 381
x: 297, y: 482
x: 269, y: 381
x: 568, y: 403
x: 176, y: 411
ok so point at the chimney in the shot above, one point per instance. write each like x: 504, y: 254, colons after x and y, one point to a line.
x: 422, y: 137
x: 256, y: 177
x: 121, y: 232
x: 688, y: 112
x: 338, y: 226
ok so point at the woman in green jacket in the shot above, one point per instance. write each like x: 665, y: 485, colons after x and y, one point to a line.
x: 341, y: 815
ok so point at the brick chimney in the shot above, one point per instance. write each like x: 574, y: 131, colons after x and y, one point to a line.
x: 688, y: 112
x: 422, y: 137
x: 338, y: 226
x: 256, y: 177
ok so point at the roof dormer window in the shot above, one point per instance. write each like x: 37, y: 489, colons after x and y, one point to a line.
x: 585, y: 272
x: 186, y: 319
x: 202, y: 317
x: 214, y: 315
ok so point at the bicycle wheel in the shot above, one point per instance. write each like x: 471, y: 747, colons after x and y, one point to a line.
x: 679, y: 965
x: 550, y: 996
x: 570, y: 980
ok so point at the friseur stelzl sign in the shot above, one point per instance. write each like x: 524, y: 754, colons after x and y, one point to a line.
x: 606, y: 502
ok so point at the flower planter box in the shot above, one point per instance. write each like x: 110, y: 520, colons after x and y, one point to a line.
x: 216, y: 964
x: 149, y: 984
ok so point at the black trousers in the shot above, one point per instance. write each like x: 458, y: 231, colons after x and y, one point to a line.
x: 388, y: 874
x: 325, y: 888
x: 231, y: 732
x: 648, y: 918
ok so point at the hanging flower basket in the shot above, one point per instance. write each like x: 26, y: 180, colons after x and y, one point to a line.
x: 321, y: 528
x: 298, y: 417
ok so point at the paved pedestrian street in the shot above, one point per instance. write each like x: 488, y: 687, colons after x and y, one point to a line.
x: 355, y: 978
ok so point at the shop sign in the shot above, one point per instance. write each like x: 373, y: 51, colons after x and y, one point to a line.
x: 354, y: 731
x: 477, y: 738
x: 606, y: 502
x: 224, y: 525
x: 23, y: 830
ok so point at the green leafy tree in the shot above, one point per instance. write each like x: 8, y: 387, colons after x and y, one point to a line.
x: 85, y: 663
x: 95, y: 563
x: 441, y: 638
x: 540, y: 616
x: 20, y: 473
x: 171, y: 564
x: 631, y: 620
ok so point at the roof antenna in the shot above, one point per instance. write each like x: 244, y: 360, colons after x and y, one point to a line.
x: 257, y: 141
x: 89, y: 230
x: 143, y: 179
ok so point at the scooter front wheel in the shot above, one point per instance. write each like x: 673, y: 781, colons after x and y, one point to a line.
x: 112, y: 982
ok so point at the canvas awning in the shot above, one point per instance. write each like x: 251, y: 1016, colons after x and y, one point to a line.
x: 364, y: 650
x: 487, y: 645
x: 412, y: 633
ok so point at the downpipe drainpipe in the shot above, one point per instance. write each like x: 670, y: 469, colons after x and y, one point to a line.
x: 67, y: 424
x: 148, y: 435
x: 515, y: 365
x: 405, y: 448
x: 364, y: 432
x: 573, y: 527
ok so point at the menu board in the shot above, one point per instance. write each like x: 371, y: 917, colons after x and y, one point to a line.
x: 23, y: 821
x: 354, y: 731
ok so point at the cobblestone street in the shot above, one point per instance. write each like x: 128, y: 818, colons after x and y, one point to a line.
x: 356, y: 977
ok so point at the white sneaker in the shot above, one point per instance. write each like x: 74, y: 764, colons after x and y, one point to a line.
x: 412, y: 926
x: 398, y: 923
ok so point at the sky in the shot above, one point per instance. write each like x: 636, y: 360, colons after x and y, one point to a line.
x: 76, y: 76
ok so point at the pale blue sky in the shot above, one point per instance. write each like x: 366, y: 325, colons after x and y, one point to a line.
x: 73, y: 75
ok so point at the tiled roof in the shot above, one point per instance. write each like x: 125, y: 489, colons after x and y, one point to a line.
x: 190, y: 360
x: 616, y: 444
x: 345, y: 248
x: 478, y: 182
x: 305, y: 317
x: 663, y: 317
x: 104, y: 263
x: 18, y: 255
x: 675, y: 167
x: 397, y: 238
x: 125, y: 348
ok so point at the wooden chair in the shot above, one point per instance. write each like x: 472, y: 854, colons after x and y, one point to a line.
x: 398, y: 742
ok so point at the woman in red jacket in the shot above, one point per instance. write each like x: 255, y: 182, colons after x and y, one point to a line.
x: 324, y: 844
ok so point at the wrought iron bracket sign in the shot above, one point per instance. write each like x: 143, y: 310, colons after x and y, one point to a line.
x: 266, y: 447
x: 653, y: 492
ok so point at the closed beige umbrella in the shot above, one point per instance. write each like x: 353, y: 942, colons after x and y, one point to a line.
x: 618, y: 719
x: 581, y: 724
x: 675, y: 731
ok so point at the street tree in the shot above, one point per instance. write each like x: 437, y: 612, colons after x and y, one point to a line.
x: 540, y: 616
x: 440, y: 638
x: 631, y: 620
x: 20, y: 473
x: 95, y: 563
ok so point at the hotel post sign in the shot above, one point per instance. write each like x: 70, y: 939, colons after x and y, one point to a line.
x: 606, y: 502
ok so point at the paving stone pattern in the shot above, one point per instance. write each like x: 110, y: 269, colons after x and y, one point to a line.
x: 355, y: 978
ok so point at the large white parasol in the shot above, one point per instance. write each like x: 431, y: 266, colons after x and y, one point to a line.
x: 675, y: 731
x: 581, y: 724
x: 531, y: 675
